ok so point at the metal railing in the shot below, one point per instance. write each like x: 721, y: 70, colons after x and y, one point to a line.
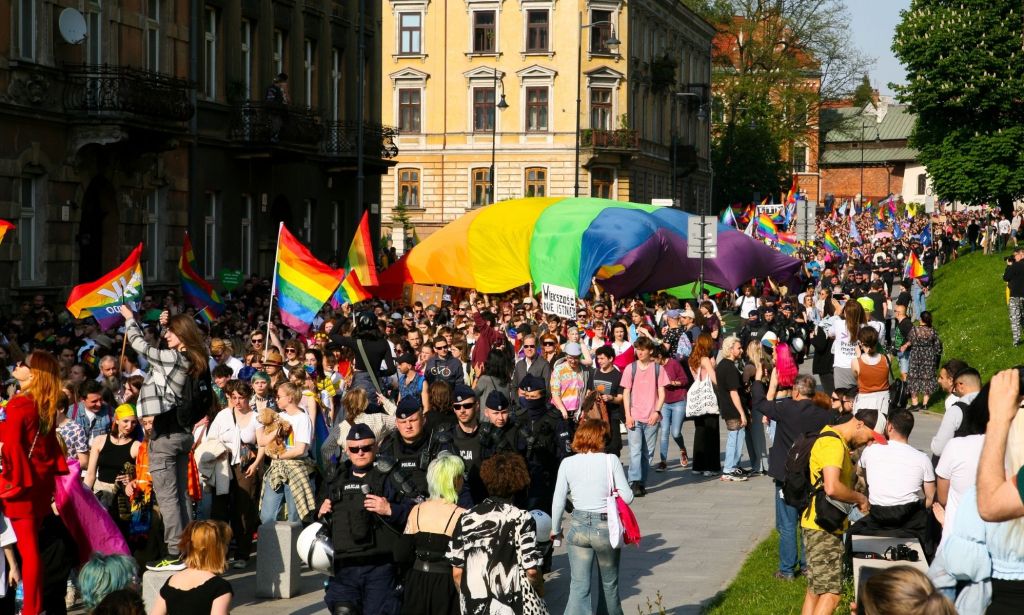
x: 621, y: 139
x: 378, y: 140
x: 104, y: 89
x: 270, y: 123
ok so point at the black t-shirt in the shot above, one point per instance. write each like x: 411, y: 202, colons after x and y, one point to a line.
x: 903, y: 298
x: 607, y: 383
x: 729, y: 379
x: 878, y: 313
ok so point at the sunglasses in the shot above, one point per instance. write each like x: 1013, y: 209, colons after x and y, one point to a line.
x: 529, y: 345
x: 290, y: 351
x: 466, y: 405
x: 441, y: 347
x: 548, y: 343
x: 360, y: 449
x: 258, y: 340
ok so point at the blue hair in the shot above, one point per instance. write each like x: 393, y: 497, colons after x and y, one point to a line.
x: 104, y: 574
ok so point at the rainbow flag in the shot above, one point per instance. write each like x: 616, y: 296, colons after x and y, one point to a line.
x: 302, y: 283
x: 791, y: 195
x: 914, y: 268
x: 767, y: 227
x: 103, y: 298
x: 360, y: 253
x: 197, y: 292
x: 349, y: 291
x: 788, y: 243
x: 728, y: 217
x: 881, y: 213
x: 830, y: 244
x: 4, y: 227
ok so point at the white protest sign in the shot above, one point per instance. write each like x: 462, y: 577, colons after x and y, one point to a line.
x: 558, y: 300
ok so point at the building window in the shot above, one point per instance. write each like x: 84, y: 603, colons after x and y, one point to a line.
x: 537, y: 30
x: 409, y: 188
x: 335, y: 85
x: 210, y: 54
x: 483, y: 31
x: 94, y: 24
x: 481, y: 189
x: 307, y: 220
x: 26, y: 29
x: 601, y: 108
x: 536, y: 182
x: 210, y: 234
x: 483, y: 109
x: 153, y: 35
x: 601, y: 183
x: 409, y: 110
x: 600, y: 33
x: 246, y: 227
x: 154, y: 247
x: 279, y: 51
x: 246, y: 49
x: 799, y: 158
x: 922, y: 183
x: 410, y: 33
x: 537, y: 109
x: 309, y: 68
x: 28, y: 267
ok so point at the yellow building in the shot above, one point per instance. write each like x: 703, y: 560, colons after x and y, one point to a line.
x: 450, y: 65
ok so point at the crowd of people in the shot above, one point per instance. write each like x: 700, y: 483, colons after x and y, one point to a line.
x: 442, y: 446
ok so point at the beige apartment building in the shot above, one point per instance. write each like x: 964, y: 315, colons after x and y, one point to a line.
x: 471, y: 83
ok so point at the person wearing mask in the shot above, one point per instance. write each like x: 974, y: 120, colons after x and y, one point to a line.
x: 585, y: 479
x: 795, y: 416
x: 673, y: 412
x: 31, y: 460
x: 169, y: 370
x: 606, y: 382
x: 287, y: 478
x: 643, y: 395
x: 428, y: 586
x: 367, y: 513
x: 199, y: 588
x: 542, y: 438
x: 729, y: 380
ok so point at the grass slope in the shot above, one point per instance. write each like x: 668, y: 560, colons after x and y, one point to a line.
x: 755, y: 591
x: 969, y: 308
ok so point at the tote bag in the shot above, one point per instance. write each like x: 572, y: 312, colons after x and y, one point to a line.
x: 614, y: 525
x: 701, y: 398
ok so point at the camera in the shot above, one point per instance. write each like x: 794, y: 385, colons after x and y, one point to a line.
x: 901, y: 553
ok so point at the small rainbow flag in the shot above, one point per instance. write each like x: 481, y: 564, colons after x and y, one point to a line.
x: 881, y: 212
x: 103, y: 298
x: 349, y: 291
x: 914, y: 268
x: 302, y: 283
x: 4, y: 227
x: 728, y: 217
x: 791, y: 195
x: 788, y: 239
x: 830, y: 244
x: 197, y: 292
x: 360, y: 253
x: 767, y: 227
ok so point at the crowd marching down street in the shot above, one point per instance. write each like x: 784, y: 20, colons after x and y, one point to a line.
x: 436, y: 452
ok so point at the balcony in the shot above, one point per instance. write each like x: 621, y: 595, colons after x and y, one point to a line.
x: 378, y: 141
x: 621, y: 140
x: 259, y: 124
x: 122, y: 94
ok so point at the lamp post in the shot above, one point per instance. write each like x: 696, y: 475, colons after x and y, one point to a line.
x: 502, y: 105
x: 612, y: 44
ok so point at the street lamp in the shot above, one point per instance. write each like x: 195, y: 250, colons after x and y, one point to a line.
x: 702, y: 114
x: 878, y: 138
x: 612, y: 45
x: 502, y: 105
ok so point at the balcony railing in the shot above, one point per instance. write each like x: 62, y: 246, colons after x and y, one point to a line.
x: 621, y: 139
x: 106, y: 90
x: 378, y: 140
x: 270, y: 123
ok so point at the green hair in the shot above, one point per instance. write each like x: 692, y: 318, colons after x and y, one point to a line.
x: 103, y: 574
x: 441, y: 475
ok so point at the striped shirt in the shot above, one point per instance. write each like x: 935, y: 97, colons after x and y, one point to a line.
x: 165, y: 380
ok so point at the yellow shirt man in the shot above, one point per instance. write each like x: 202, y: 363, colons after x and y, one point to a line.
x: 828, y: 452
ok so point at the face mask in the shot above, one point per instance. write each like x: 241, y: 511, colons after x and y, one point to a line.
x: 533, y: 404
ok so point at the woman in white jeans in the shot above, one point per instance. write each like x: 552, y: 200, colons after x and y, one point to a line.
x: 583, y: 479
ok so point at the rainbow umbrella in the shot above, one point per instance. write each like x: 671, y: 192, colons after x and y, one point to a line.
x: 629, y: 247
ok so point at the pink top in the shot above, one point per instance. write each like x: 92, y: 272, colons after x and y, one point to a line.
x: 644, y: 395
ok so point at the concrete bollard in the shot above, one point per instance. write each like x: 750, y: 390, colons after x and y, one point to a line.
x: 277, y: 560
x: 152, y: 581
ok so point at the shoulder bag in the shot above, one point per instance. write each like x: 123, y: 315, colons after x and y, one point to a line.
x: 622, y: 525
x: 701, y: 398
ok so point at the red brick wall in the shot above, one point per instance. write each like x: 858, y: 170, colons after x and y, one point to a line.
x: 845, y: 182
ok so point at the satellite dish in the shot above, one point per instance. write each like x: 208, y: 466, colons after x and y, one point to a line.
x: 72, y: 26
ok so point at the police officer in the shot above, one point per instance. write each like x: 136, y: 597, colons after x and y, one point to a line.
x: 465, y: 438
x: 498, y: 434
x: 542, y: 437
x: 368, y: 515
x: 407, y: 447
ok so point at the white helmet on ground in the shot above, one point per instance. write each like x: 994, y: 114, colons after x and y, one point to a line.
x: 543, y: 521
x: 315, y: 549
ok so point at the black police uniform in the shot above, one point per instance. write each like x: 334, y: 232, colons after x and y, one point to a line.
x: 542, y: 438
x: 410, y: 460
x: 469, y: 447
x: 364, y: 580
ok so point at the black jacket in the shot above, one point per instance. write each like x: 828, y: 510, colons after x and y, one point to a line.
x: 1014, y: 276
x: 794, y: 418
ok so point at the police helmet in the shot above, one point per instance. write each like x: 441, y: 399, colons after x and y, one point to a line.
x: 543, y: 522
x: 365, y: 321
x: 797, y: 344
x: 315, y: 549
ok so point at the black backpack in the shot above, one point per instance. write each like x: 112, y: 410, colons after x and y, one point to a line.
x: 195, y: 401
x: 797, y: 490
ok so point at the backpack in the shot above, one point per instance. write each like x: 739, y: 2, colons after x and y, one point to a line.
x: 657, y: 374
x: 195, y: 401
x: 797, y: 490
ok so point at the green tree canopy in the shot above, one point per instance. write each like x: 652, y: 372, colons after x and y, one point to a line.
x: 965, y: 83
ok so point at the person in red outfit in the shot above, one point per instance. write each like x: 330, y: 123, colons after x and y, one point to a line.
x: 32, y: 458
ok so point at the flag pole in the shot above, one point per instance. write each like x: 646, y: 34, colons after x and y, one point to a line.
x: 273, y: 290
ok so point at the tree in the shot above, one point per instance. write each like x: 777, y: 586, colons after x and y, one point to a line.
x: 746, y: 158
x: 864, y: 95
x: 774, y: 62
x: 965, y: 83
